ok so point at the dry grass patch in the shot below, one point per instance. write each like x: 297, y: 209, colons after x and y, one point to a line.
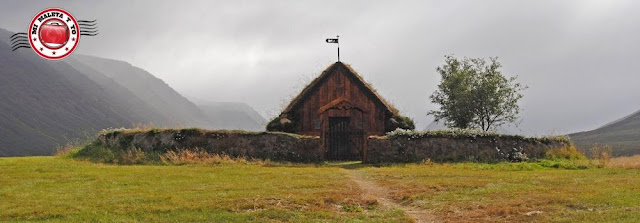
x: 199, y: 156
x: 627, y: 162
x: 65, y: 150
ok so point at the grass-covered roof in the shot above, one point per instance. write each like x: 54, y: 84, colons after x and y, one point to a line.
x: 350, y: 72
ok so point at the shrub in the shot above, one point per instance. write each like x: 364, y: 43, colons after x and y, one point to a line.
x: 96, y: 152
x: 568, y: 152
x: 279, y: 124
x: 67, y: 150
x: 73, y: 146
x: 601, y: 154
x: 197, y: 155
x: 401, y: 122
x: 132, y: 156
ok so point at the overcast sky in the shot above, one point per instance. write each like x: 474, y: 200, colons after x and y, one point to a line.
x: 579, y: 58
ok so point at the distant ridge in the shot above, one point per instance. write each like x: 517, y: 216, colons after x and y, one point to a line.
x: 622, y: 134
x: 175, y: 109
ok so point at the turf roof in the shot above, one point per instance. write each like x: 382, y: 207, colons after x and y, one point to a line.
x: 307, y: 90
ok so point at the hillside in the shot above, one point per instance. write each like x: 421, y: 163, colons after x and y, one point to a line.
x: 176, y: 109
x: 45, y: 103
x: 124, y: 96
x: 623, y: 135
x: 48, y: 103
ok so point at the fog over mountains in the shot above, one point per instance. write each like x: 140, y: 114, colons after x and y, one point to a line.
x: 232, y: 115
x: 47, y: 103
x: 578, y: 57
x: 173, y: 107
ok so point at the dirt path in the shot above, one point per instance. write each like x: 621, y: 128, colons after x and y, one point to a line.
x: 371, y: 189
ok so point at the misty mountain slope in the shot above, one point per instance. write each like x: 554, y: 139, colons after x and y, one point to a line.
x: 177, y: 109
x: 232, y: 115
x: 139, y: 108
x: 45, y: 103
x: 623, y: 135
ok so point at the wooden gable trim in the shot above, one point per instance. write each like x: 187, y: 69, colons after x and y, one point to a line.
x: 339, y: 103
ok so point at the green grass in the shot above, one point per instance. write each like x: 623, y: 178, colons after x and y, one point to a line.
x: 63, y: 190
x: 562, y: 191
x: 58, y: 189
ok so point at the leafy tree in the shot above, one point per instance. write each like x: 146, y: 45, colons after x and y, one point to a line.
x: 474, y: 94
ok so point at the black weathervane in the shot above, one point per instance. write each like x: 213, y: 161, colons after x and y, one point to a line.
x: 335, y: 41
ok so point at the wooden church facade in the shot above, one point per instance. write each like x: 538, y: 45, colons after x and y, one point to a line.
x: 341, y: 108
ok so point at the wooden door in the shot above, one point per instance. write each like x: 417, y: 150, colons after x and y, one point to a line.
x: 343, y: 143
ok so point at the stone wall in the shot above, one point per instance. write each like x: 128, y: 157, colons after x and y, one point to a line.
x: 262, y: 145
x: 466, y: 148
x: 396, y: 147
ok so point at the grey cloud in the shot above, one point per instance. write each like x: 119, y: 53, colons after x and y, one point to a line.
x: 577, y: 57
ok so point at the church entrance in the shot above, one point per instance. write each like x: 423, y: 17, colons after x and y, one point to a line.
x: 343, y: 141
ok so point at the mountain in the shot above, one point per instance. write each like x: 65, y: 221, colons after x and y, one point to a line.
x: 145, y: 112
x: 46, y: 103
x: 623, y: 135
x: 232, y: 115
x: 176, y: 109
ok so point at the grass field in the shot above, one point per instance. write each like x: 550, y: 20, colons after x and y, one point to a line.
x: 62, y: 189
x: 515, y: 192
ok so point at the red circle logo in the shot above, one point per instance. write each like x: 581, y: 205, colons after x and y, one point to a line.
x: 54, y: 33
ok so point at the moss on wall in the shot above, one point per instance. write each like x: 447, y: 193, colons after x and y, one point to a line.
x: 262, y: 145
x: 398, y: 146
x: 459, y: 145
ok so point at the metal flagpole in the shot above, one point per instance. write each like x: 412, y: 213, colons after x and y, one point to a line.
x: 338, y: 38
x: 329, y: 40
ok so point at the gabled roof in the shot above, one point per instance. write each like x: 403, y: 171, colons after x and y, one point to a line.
x: 349, y: 72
